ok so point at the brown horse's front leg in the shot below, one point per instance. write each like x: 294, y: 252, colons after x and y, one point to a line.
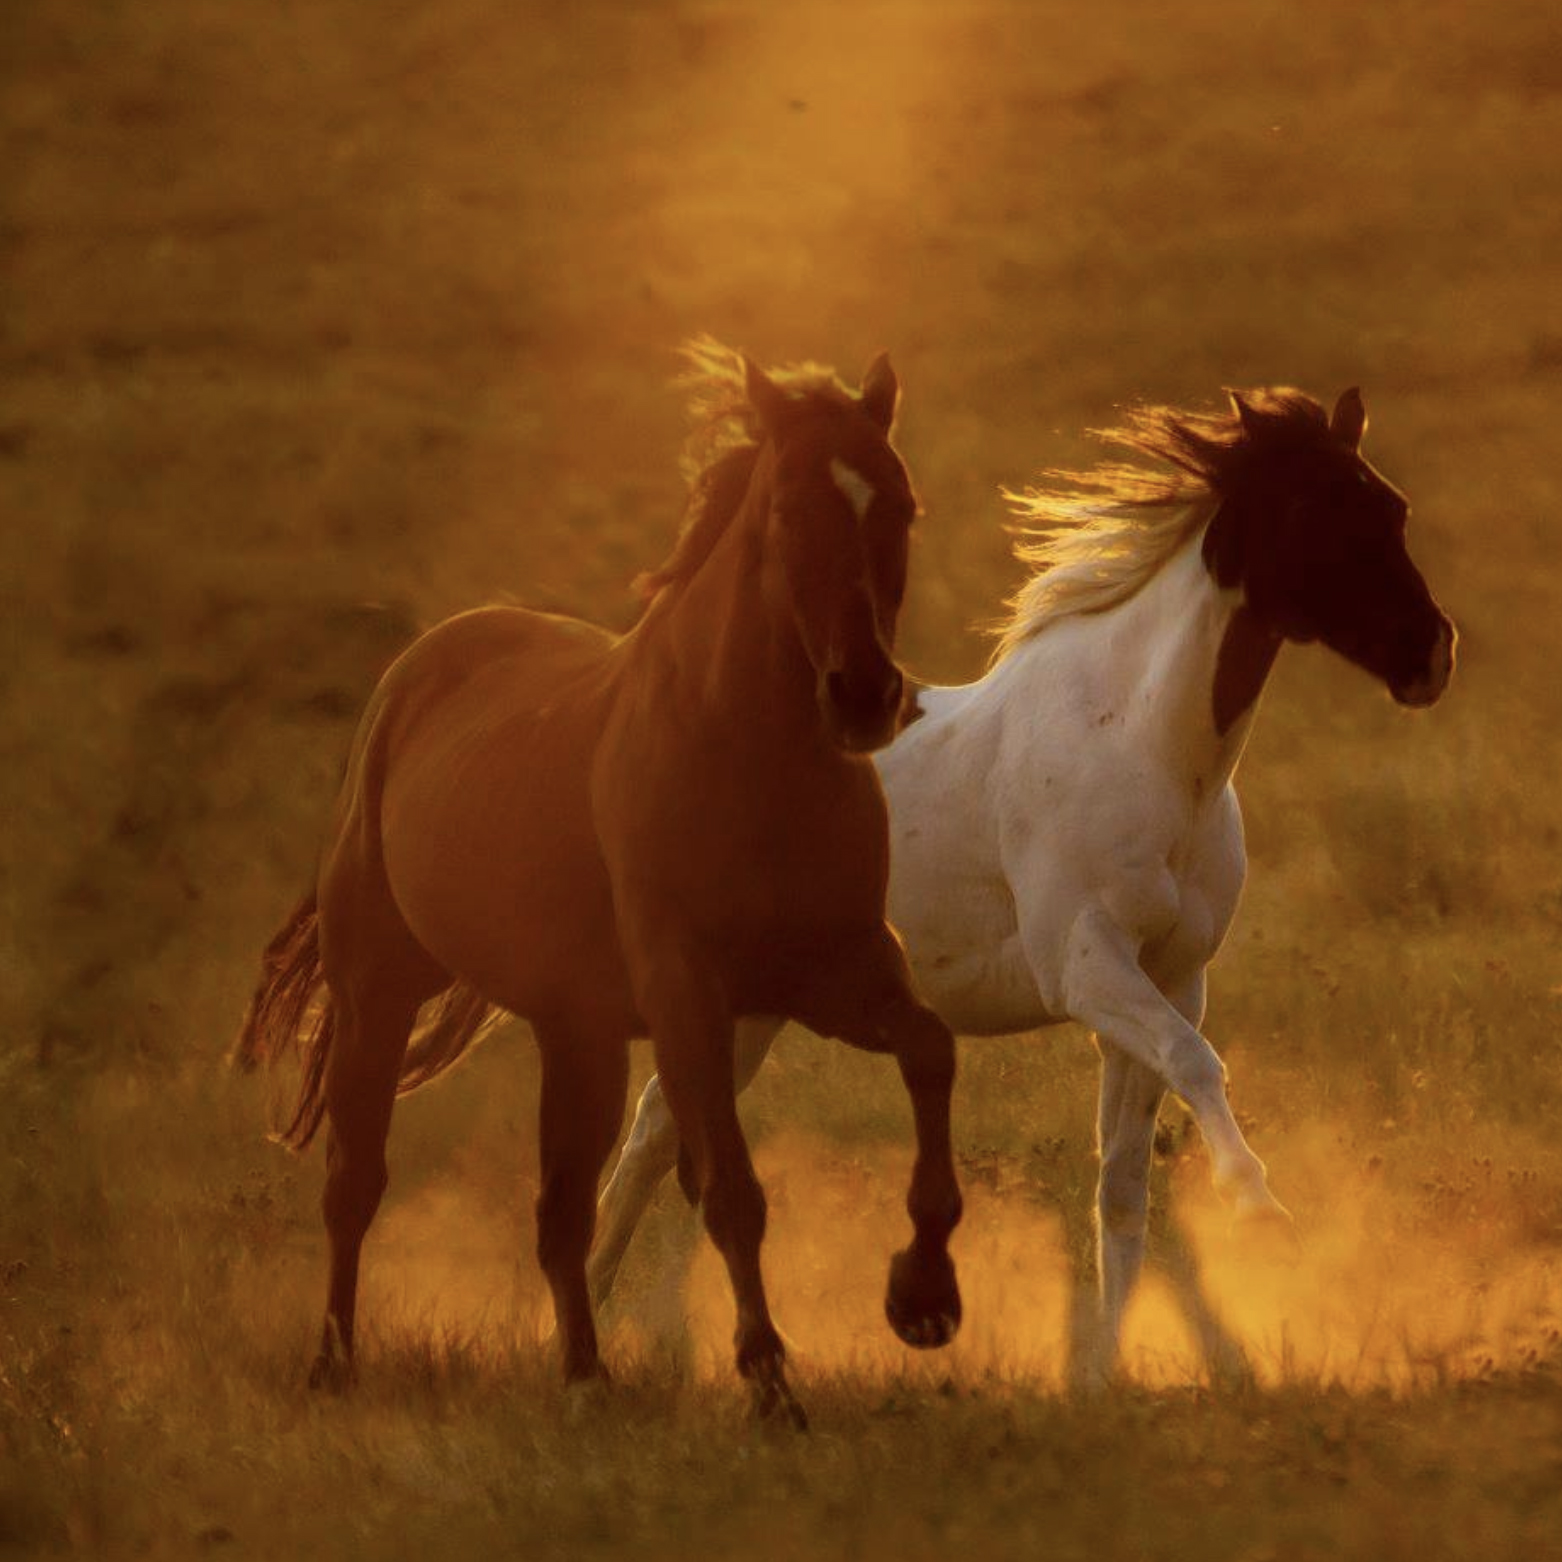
x: 863, y: 995
x: 692, y: 1032
x: 923, y: 1301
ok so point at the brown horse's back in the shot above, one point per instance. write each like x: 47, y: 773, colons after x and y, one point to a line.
x: 474, y: 759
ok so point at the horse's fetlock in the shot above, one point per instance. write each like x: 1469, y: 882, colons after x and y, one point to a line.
x: 761, y: 1353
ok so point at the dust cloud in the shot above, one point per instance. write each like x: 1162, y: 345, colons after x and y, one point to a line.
x: 1390, y: 1286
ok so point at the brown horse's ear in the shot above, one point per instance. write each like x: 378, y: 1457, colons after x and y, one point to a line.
x: 880, y: 392
x: 767, y: 398
x: 1349, y: 421
x: 1252, y: 423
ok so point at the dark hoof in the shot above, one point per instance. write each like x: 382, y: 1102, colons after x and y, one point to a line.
x: 776, y: 1405
x: 587, y: 1399
x: 331, y: 1374
x: 923, y: 1304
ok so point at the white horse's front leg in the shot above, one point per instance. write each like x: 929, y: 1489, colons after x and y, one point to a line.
x: 1130, y: 1099
x: 651, y: 1151
x: 1105, y: 988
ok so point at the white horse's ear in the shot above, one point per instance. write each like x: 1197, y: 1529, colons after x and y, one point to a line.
x: 1252, y: 423
x: 880, y: 392
x: 767, y: 398
x: 1349, y: 420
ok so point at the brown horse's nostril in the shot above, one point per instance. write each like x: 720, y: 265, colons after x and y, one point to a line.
x: 864, y: 698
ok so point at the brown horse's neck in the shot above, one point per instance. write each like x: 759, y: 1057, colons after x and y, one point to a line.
x: 730, y: 633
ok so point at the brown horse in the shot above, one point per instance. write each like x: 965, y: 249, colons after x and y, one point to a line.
x: 649, y: 834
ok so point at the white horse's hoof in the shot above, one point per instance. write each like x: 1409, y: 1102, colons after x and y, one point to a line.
x: 1094, y: 1374
x: 1267, y: 1230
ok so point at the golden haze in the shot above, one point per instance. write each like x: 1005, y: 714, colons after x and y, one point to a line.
x: 321, y: 325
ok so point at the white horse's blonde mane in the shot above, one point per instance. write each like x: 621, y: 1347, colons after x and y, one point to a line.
x: 1091, y: 553
x: 1097, y: 541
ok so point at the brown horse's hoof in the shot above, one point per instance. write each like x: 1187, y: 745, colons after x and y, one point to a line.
x: 333, y: 1371
x: 587, y: 1398
x: 776, y: 1405
x: 923, y: 1303
x: 331, y: 1374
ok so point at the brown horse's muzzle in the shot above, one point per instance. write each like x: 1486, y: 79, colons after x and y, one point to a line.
x: 862, y: 708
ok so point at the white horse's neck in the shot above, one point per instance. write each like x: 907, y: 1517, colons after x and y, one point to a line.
x: 1150, y: 665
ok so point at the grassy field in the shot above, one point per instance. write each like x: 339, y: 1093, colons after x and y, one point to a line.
x: 321, y: 323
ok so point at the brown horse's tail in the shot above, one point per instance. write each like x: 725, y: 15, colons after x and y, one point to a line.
x: 449, y: 1024
x: 292, y: 1010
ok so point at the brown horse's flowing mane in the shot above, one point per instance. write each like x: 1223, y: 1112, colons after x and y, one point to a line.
x: 722, y: 447
x: 1098, y: 540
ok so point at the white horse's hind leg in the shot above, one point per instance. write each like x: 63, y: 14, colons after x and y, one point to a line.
x: 651, y: 1151
x: 1106, y: 989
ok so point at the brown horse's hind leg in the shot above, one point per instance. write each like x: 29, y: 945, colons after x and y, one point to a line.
x: 584, y: 1081
x: 360, y: 1090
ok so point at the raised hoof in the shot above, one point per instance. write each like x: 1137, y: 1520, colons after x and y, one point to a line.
x: 923, y: 1302
x: 1268, y: 1232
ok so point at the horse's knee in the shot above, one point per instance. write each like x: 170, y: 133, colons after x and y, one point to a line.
x: 925, y: 1049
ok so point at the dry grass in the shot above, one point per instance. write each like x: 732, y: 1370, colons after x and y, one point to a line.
x: 319, y: 327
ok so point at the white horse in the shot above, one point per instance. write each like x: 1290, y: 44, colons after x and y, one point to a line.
x: 1066, y: 839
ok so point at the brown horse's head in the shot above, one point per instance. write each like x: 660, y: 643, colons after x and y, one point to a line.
x: 1315, y: 538
x: 840, y: 516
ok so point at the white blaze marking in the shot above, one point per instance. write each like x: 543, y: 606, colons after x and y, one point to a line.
x: 857, y: 490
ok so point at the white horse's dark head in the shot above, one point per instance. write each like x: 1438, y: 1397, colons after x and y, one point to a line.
x: 1315, y: 538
